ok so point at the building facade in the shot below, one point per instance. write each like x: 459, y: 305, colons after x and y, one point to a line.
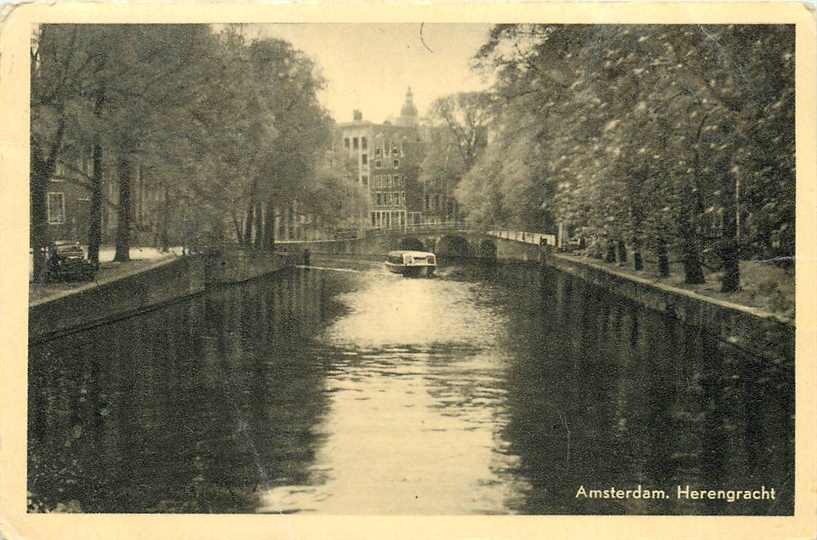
x: 388, y: 157
x: 68, y: 204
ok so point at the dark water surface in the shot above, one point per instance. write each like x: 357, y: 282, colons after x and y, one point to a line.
x: 358, y: 392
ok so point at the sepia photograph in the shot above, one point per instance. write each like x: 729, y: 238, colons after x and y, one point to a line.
x: 411, y: 269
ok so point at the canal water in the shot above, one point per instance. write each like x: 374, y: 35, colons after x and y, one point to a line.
x: 346, y: 390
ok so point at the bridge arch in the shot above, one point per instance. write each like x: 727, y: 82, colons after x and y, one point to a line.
x: 411, y: 243
x: 453, y: 246
x: 487, y: 249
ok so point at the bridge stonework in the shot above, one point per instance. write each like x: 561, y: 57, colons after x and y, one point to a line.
x: 444, y: 243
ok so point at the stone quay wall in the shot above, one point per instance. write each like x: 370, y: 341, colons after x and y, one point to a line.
x: 233, y: 264
x: 750, y: 329
x: 97, y: 303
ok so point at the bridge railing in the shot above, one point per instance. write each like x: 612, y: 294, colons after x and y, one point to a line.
x: 458, y: 225
x: 526, y: 237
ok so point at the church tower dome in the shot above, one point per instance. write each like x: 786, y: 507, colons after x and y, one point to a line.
x: 408, y: 114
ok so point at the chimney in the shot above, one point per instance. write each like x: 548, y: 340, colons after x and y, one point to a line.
x: 357, y: 116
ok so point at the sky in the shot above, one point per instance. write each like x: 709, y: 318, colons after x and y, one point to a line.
x: 370, y: 66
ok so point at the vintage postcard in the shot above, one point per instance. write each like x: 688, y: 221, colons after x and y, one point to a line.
x: 439, y: 271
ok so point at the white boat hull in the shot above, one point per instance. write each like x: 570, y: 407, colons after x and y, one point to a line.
x: 410, y: 271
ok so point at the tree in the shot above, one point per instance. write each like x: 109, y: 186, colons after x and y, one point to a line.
x: 465, y: 117
x: 159, y: 71
x: 57, y: 67
x: 652, y: 132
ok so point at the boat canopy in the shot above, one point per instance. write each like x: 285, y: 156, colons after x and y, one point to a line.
x: 418, y: 254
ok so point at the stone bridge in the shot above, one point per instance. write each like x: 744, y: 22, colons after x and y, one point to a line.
x: 459, y: 242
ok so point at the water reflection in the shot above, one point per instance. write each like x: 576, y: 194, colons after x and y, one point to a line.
x: 490, y: 391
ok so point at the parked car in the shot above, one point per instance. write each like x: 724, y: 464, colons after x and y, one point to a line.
x: 67, y: 262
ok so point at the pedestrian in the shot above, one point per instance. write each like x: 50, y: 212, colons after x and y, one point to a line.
x: 544, y: 249
x: 307, y: 256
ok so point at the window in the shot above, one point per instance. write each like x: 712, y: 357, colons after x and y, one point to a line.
x: 364, y: 159
x: 395, y: 151
x: 396, y: 163
x: 428, y: 202
x: 354, y: 143
x: 398, y: 180
x: 374, y: 219
x: 379, y: 199
x: 378, y: 152
x: 365, y: 180
x: 378, y: 164
x: 364, y: 144
x: 59, y: 172
x: 346, y: 142
x: 56, y: 208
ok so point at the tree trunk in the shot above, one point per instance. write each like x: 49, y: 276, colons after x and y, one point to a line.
x: 691, y: 208
x: 611, y: 252
x: 238, y: 236
x: 635, y: 193
x: 259, y: 226
x: 39, y: 211
x: 248, y: 224
x: 123, y: 225
x: 729, y: 254
x: 269, y: 227
x: 165, y: 224
x: 638, y: 260
x: 622, y: 252
x: 95, y: 213
x: 663, y: 257
x: 693, y: 271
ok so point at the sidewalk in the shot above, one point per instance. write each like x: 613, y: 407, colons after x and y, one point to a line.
x: 141, y: 258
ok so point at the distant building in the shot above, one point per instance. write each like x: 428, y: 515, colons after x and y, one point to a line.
x: 439, y: 204
x: 388, y: 157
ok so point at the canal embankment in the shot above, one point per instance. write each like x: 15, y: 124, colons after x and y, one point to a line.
x: 760, y: 331
x: 753, y: 329
x: 234, y: 264
x: 121, y: 295
x: 131, y: 288
x: 730, y: 318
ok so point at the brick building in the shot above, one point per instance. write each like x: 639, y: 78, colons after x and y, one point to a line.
x: 388, y: 158
x: 68, y: 204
